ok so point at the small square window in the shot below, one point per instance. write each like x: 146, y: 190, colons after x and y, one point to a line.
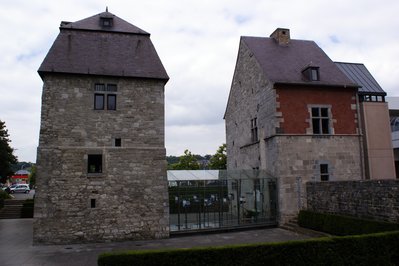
x: 324, y: 175
x: 106, y: 22
x: 311, y: 73
x: 94, y: 163
x: 118, y: 142
x: 92, y: 203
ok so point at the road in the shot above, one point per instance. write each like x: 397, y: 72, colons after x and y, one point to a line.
x: 23, y: 196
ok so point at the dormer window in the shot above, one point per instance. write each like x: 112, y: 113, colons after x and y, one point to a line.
x: 311, y: 73
x: 106, y: 22
x: 315, y: 74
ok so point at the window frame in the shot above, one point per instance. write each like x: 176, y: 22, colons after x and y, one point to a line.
x: 95, y: 160
x: 311, y: 73
x: 107, y: 92
x: 324, y: 172
x: 111, y: 107
x: 96, y: 101
x: 321, y: 120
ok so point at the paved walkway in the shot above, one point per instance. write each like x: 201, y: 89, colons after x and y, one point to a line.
x: 16, y: 244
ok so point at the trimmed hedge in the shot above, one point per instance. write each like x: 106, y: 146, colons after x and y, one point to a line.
x: 27, y: 209
x: 342, y: 225
x: 373, y: 249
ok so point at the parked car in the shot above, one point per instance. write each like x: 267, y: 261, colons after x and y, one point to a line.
x: 20, y: 188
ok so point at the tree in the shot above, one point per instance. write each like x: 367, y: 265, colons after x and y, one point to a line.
x: 7, y: 158
x: 219, y: 160
x: 32, y: 176
x: 187, y: 161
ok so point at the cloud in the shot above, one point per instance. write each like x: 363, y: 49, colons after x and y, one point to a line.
x: 197, y: 42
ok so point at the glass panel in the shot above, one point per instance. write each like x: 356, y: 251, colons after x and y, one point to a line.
x: 99, y: 87
x: 118, y: 142
x: 315, y: 112
x: 238, y: 198
x: 316, y: 125
x: 99, y: 101
x: 324, y: 112
x: 324, y: 177
x: 325, y: 126
x: 94, y: 163
x: 111, y: 102
x: 324, y: 168
x: 315, y: 75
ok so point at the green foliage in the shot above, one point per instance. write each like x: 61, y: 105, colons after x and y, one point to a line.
x: 374, y: 249
x: 342, y: 225
x: 172, y: 160
x: 4, y: 195
x: 219, y: 160
x: 21, y: 165
x: 187, y: 161
x: 7, y: 158
x: 32, y: 176
x: 27, y: 209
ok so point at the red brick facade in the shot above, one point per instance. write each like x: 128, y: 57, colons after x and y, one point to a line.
x: 294, y: 101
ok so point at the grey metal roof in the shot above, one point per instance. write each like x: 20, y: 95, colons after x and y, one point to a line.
x: 179, y: 175
x: 359, y: 74
x: 84, y: 47
x: 285, y: 63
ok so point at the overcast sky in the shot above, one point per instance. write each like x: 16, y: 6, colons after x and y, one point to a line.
x: 197, y: 42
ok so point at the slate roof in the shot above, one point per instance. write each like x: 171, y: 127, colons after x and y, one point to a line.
x: 85, y: 47
x: 285, y: 63
x: 359, y: 74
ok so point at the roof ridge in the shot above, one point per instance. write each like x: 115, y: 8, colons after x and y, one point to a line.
x: 93, y: 23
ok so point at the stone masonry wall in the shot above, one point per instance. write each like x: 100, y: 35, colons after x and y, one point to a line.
x: 372, y: 199
x: 128, y: 199
x: 251, y: 96
x: 296, y: 161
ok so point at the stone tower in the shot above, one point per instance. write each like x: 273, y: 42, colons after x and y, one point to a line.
x: 101, y: 168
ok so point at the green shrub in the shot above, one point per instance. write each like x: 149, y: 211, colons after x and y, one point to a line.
x: 342, y: 225
x: 27, y: 209
x: 4, y: 195
x: 375, y: 249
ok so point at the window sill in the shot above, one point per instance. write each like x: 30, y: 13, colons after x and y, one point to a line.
x: 95, y: 175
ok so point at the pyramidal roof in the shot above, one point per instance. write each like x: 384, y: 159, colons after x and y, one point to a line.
x: 94, y: 23
x: 103, y: 44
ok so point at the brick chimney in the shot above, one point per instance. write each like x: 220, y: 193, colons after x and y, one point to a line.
x: 282, y: 36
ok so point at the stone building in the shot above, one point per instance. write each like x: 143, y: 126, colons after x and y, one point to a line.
x: 101, y: 168
x: 293, y: 113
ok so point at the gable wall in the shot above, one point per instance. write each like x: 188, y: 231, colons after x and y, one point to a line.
x: 251, y: 95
